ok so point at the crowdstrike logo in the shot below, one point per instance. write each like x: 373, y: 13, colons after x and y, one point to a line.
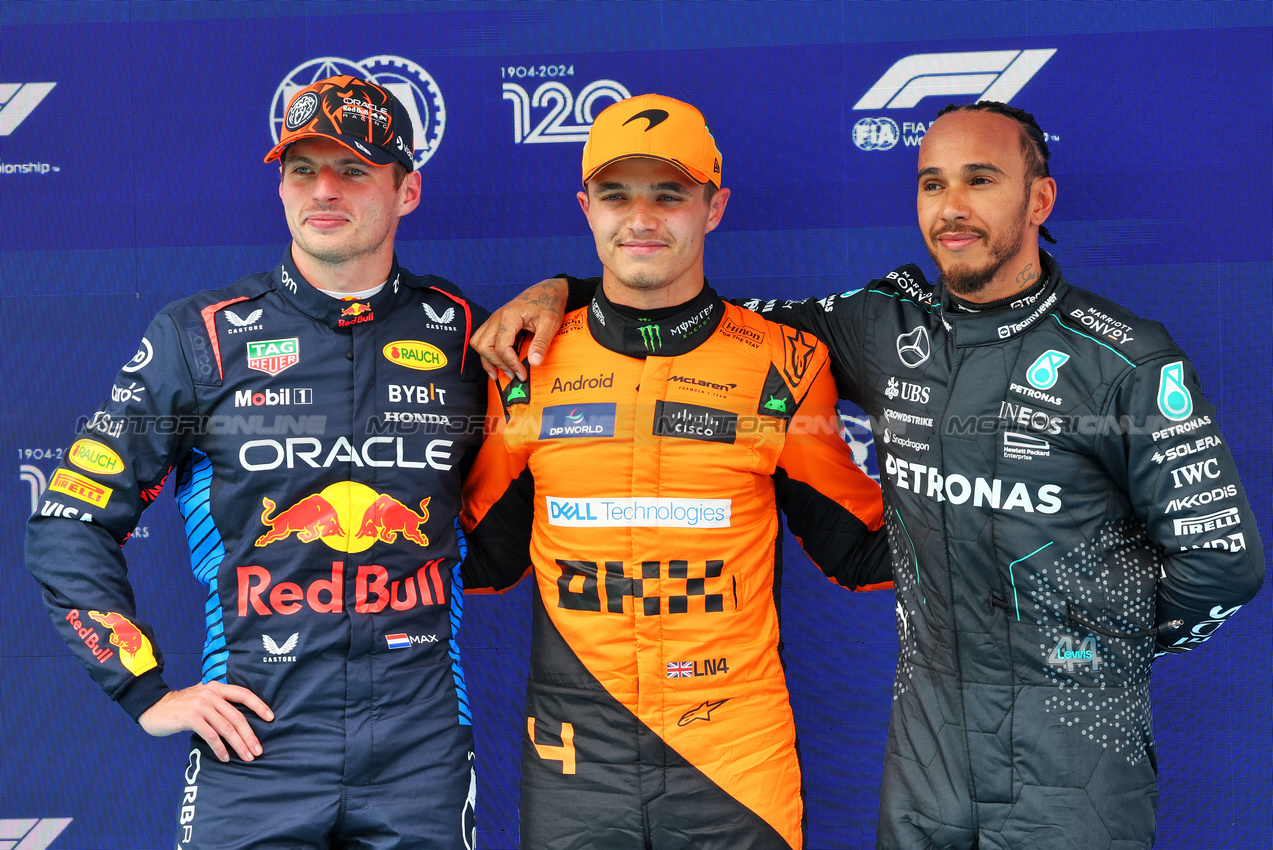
x: 987, y: 74
x: 17, y: 101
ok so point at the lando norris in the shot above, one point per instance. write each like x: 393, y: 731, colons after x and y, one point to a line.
x: 305, y: 420
x: 1061, y: 506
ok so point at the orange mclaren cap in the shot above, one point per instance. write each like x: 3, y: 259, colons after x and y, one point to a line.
x: 657, y: 127
x: 362, y: 116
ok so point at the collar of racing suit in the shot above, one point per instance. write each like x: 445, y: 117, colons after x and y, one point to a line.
x: 996, y: 324
x: 666, y: 336
x: 334, y: 312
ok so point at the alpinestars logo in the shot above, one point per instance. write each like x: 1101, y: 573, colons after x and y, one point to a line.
x: 987, y: 74
x: 17, y: 101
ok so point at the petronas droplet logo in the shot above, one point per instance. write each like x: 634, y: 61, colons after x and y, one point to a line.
x: 1042, y: 373
x: 1174, y: 399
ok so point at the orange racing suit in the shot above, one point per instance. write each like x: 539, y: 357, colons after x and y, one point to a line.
x: 637, y: 471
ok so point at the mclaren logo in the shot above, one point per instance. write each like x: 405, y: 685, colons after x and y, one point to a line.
x: 654, y: 116
x: 986, y: 74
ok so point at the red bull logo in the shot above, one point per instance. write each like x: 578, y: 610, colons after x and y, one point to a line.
x: 374, y: 590
x: 310, y: 518
x: 387, y: 517
x: 347, y: 517
x: 135, y: 651
x: 355, y: 314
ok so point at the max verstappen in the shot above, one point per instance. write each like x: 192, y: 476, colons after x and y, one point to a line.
x: 313, y: 421
x: 1061, y: 505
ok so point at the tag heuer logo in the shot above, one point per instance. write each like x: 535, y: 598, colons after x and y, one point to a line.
x: 273, y: 355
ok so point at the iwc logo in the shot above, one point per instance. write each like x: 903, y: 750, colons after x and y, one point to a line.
x: 411, y: 84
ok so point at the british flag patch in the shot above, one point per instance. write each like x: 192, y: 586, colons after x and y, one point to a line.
x: 680, y: 669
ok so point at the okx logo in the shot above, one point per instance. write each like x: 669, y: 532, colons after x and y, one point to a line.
x: 17, y: 101
x: 987, y: 74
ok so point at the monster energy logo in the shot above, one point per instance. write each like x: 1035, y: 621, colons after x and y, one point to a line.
x: 651, y: 337
x: 776, y: 404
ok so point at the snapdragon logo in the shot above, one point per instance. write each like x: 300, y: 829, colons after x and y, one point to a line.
x: 641, y: 512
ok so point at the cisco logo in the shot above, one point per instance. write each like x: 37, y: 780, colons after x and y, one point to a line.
x: 411, y: 84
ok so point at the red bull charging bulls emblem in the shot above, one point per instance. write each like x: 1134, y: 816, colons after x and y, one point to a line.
x: 346, y: 516
x: 135, y: 651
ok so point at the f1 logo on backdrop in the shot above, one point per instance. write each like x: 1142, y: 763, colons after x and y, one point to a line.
x: 985, y: 74
x: 30, y: 833
x: 561, y: 104
x: 414, y: 88
x: 17, y: 101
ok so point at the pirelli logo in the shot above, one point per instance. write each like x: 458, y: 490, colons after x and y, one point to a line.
x: 1211, y: 522
x: 78, y: 487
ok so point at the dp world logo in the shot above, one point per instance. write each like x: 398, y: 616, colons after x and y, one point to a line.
x: 875, y: 134
x: 414, y: 88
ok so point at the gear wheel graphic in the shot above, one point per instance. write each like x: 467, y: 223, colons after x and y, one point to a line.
x: 419, y: 93
x: 410, y: 83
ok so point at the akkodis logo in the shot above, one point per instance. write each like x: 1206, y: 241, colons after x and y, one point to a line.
x: 410, y: 83
x: 347, y: 516
x: 987, y: 74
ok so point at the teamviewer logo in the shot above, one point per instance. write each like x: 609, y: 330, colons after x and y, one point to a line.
x: 988, y: 74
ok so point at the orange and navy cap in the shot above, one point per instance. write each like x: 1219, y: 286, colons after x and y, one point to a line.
x: 654, y: 126
x: 362, y: 116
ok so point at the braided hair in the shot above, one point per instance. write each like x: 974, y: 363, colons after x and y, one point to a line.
x: 1034, y: 144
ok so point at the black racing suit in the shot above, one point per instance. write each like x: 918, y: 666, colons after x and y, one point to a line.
x: 1056, y: 488
x: 317, y: 449
x: 1057, y: 492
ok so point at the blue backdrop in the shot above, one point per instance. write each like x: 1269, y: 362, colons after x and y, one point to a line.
x: 131, y: 139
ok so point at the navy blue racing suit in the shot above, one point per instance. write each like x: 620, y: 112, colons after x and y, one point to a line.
x: 316, y: 448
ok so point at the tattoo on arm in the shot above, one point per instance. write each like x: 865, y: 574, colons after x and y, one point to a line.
x: 542, y: 296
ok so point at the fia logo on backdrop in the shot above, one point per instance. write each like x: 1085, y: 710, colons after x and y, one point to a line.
x: 984, y: 74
